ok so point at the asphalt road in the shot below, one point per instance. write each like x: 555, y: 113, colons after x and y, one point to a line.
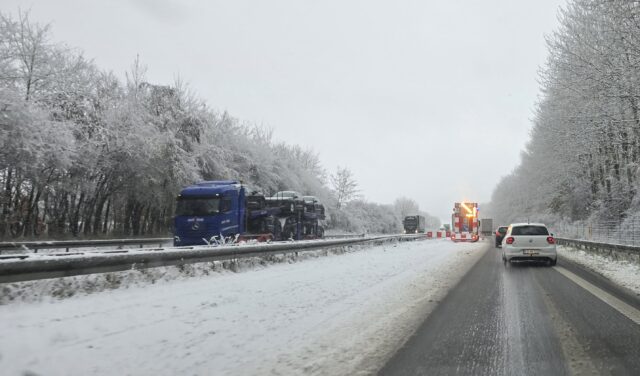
x: 525, y: 320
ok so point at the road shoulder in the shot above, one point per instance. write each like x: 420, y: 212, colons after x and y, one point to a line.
x: 621, y: 277
x: 599, y: 279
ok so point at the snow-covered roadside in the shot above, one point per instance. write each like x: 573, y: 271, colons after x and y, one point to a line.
x: 621, y: 272
x: 60, y: 288
x: 332, y: 315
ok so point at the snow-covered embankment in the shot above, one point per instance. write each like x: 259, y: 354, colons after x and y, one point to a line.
x: 625, y: 273
x: 335, y: 315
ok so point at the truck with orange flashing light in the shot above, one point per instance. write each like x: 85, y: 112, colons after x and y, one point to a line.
x: 464, y: 222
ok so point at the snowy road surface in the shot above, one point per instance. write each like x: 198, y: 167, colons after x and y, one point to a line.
x: 526, y: 320
x: 341, y: 314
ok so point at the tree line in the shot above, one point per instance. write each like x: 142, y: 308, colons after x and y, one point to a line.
x: 581, y: 163
x: 84, y: 153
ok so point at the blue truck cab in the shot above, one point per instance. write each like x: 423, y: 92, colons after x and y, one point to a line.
x: 207, y: 209
x: 227, y: 208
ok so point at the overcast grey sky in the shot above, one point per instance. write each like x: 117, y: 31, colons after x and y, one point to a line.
x: 427, y: 99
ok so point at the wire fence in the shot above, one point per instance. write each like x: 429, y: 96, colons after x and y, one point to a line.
x: 626, y: 233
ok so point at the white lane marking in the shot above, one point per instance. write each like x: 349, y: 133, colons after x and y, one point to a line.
x: 620, y: 306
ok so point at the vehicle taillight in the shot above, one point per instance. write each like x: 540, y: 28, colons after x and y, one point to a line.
x: 497, y: 233
x: 510, y: 240
x: 551, y: 240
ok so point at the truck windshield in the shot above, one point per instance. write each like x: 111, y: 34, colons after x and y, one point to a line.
x: 197, y: 206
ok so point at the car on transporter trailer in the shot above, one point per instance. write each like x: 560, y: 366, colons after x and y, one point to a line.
x: 529, y: 242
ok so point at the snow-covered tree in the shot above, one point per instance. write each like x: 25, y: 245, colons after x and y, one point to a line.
x: 405, y: 206
x: 344, y: 186
x: 582, y: 160
x: 83, y: 153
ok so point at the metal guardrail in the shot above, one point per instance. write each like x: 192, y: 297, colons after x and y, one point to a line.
x: 601, y: 247
x: 344, y: 236
x: 27, y: 267
x: 587, y: 244
x: 67, y: 244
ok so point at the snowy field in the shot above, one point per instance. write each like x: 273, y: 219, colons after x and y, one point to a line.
x: 622, y: 272
x: 338, y: 315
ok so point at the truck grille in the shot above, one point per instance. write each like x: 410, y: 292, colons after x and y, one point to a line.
x: 203, y: 231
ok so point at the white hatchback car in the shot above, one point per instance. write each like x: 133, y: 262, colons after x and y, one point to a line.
x: 529, y: 242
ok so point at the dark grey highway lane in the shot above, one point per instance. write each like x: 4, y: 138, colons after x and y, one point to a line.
x: 522, y: 320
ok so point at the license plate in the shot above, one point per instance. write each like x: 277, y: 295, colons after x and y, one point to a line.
x: 530, y: 252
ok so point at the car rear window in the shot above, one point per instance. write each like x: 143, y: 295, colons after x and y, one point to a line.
x: 529, y: 230
x: 502, y: 230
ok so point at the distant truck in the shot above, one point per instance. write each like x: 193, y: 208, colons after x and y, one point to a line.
x: 486, y: 226
x: 414, y: 224
x: 464, y: 222
x: 228, y: 209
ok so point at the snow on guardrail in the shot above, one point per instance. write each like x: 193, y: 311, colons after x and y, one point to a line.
x: 68, y: 244
x: 617, y: 251
x: 25, y: 267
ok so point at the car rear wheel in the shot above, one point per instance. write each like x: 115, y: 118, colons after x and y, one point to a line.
x: 553, y: 262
